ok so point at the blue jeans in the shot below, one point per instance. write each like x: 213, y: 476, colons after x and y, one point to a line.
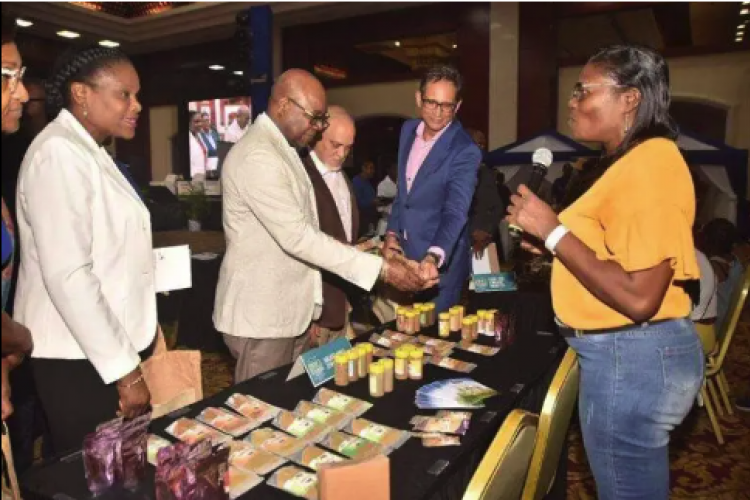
x: 636, y: 386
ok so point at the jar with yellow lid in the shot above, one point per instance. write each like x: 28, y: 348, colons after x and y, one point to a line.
x: 401, y: 364
x: 388, y: 366
x: 466, y: 329
x: 444, y: 325
x: 416, y: 366
x: 353, y: 366
x: 455, y: 319
x: 341, y: 361
x: 376, y: 380
x: 409, y: 318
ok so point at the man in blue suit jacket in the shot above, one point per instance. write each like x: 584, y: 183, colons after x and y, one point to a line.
x: 437, y: 175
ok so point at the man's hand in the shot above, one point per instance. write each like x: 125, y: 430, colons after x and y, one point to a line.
x: 428, y: 270
x: 16, y: 337
x: 402, y: 274
x: 391, y: 247
x: 135, y: 398
x: 479, y: 241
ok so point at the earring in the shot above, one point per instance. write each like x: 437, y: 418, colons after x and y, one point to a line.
x: 85, y: 112
x: 627, y: 124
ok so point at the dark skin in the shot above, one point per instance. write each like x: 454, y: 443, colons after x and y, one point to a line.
x: 109, y: 108
x: 598, y: 117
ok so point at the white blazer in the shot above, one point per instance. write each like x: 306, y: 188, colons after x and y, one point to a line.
x: 86, y: 280
x: 197, y: 157
x: 270, y: 284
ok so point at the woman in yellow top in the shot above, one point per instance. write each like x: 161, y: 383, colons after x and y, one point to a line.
x: 622, y: 251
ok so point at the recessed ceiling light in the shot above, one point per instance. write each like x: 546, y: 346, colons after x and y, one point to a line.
x: 455, y: 46
x: 239, y: 73
x: 744, y: 12
x: 68, y: 34
x: 397, y: 43
x: 23, y: 23
x: 216, y: 67
x: 109, y: 44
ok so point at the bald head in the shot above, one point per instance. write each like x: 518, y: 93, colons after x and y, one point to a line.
x: 337, y: 141
x: 243, y: 116
x: 298, y: 106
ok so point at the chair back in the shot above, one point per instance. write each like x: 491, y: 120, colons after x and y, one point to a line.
x: 553, y: 427
x: 736, y: 304
x: 501, y: 474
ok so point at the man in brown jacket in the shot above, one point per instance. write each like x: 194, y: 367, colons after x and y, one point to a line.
x: 338, y: 214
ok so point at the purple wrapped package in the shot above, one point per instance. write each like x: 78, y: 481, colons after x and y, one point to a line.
x: 100, y: 457
x: 133, y: 448
x: 186, y: 472
x: 211, y: 473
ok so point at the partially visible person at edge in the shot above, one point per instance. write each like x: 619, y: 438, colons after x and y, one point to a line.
x: 487, y: 209
x: 86, y: 280
x: 622, y: 251
x: 16, y: 339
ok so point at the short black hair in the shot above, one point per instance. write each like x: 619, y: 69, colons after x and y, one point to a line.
x: 442, y: 73
x: 77, y: 66
x: 9, y: 29
x: 719, y: 237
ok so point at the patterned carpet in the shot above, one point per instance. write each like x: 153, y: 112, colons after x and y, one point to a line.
x: 700, y: 468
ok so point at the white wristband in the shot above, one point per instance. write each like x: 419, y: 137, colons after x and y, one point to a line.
x: 555, y: 236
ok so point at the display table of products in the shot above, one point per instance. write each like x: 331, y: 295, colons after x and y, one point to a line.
x: 434, y: 421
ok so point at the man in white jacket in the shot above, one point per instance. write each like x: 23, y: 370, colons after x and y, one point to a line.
x: 270, y: 285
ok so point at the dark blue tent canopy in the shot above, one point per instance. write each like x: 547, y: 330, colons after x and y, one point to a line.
x: 518, y: 153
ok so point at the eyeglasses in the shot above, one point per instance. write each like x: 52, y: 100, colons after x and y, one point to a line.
x: 12, y: 77
x: 581, y: 90
x: 318, y: 120
x: 432, y: 105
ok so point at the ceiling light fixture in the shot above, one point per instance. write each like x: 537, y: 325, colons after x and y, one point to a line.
x: 744, y: 12
x: 216, y: 67
x: 239, y: 73
x: 23, y: 23
x: 109, y: 44
x: 455, y: 46
x: 68, y: 34
x: 397, y: 43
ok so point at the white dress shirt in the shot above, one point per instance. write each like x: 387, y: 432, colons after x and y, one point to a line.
x: 707, y: 308
x: 235, y: 132
x: 86, y: 280
x: 198, y: 160
x: 339, y: 189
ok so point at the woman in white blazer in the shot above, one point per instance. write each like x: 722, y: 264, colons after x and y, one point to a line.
x: 86, y: 284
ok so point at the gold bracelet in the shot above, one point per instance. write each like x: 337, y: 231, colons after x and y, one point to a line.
x: 131, y: 384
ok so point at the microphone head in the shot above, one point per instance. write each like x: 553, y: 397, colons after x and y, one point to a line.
x: 543, y: 157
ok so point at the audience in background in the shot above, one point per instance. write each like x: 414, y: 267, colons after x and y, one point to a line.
x: 366, y: 197
x: 86, y: 284
x: 561, y: 184
x: 487, y: 209
x: 387, y: 190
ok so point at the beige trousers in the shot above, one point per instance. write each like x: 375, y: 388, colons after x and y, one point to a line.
x: 256, y: 356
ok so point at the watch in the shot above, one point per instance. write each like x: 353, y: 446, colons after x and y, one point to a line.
x: 435, y: 257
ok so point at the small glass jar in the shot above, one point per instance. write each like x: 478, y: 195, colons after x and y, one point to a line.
x: 416, y: 323
x: 461, y: 312
x: 416, y: 366
x: 388, y: 365
x: 368, y: 351
x: 481, y: 314
x: 401, y: 318
x: 376, y: 380
x: 353, y: 367
x: 455, y: 319
x: 467, y: 330
x: 474, y: 327
x: 401, y: 364
x: 362, y: 360
x: 409, y: 323
x: 444, y: 326
x: 490, y: 322
x: 341, y: 377
x: 424, y: 316
x: 431, y: 316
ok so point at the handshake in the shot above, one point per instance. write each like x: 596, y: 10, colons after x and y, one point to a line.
x: 404, y: 274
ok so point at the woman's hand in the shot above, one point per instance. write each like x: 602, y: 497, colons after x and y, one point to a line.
x: 7, y: 407
x: 531, y: 214
x: 135, y: 399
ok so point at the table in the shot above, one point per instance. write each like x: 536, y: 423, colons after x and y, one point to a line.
x: 416, y: 472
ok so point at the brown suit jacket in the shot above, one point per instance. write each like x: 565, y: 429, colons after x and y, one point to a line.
x: 335, y: 289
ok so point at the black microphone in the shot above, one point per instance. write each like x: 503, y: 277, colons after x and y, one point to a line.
x: 540, y: 162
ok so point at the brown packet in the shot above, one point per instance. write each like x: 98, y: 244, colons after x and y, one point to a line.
x: 295, y: 481
x: 240, y: 481
x: 484, y: 350
x: 252, y: 407
x: 453, y: 364
x: 377, y: 433
x: 245, y: 456
x: 301, y: 427
x: 227, y: 421
x: 276, y: 442
x: 444, y: 425
x: 341, y: 402
x: 440, y: 441
x: 313, y: 457
x: 353, y: 447
x: 191, y: 431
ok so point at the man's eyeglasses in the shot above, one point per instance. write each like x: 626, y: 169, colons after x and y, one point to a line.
x: 432, y: 105
x: 581, y: 90
x: 11, y: 78
x: 318, y: 120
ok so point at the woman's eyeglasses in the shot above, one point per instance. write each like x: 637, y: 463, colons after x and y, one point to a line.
x: 581, y: 90
x: 318, y: 120
x: 11, y: 78
x: 432, y: 105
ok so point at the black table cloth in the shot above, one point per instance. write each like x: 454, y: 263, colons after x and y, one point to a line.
x: 416, y: 472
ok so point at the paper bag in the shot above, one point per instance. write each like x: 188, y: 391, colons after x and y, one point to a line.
x: 173, y: 377
x: 370, y: 479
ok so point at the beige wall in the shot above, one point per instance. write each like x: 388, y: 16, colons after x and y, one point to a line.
x: 722, y: 79
x: 377, y: 99
x: 163, y: 124
x: 503, y: 98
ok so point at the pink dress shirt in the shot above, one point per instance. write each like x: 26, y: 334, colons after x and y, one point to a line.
x: 419, y: 151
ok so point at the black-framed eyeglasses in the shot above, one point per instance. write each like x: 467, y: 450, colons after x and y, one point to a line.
x: 581, y: 90
x: 432, y: 105
x: 318, y: 120
x: 13, y: 77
